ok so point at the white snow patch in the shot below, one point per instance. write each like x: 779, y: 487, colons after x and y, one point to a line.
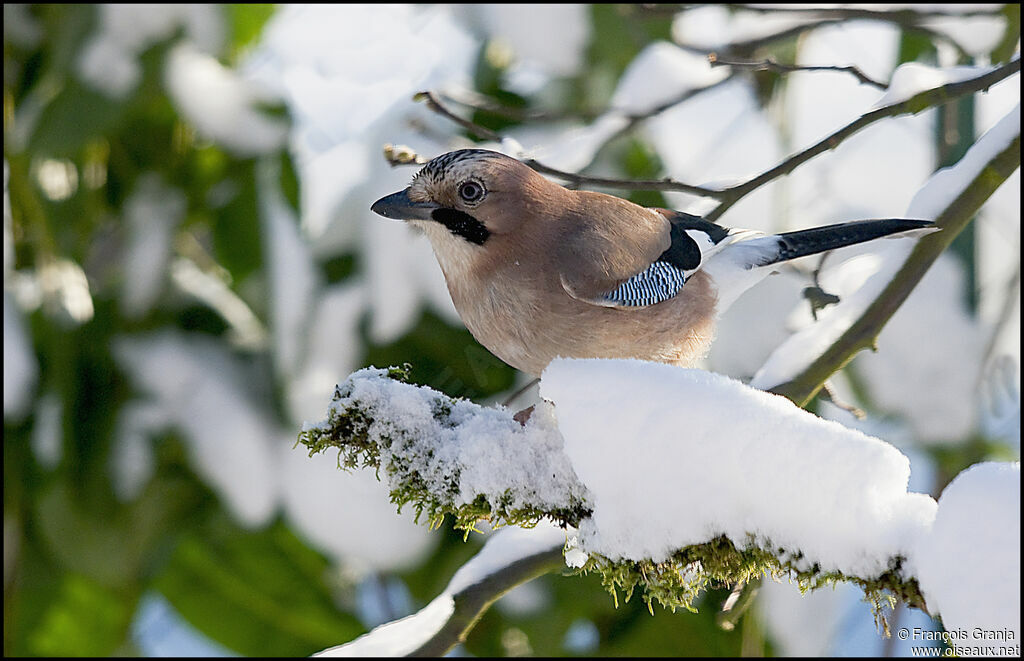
x: 968, y: 564
x: 660, y: 73
x: 151, y: 214
x: 20, y: 367
x: 913, y: 78
x: 131, y: 461
x: 504, y: 548
x: 401, y: 637
x: 109, y: 61
x: 548, y: 38
x: 201, y: 388
x: 349, y: 516
x: 221, y: 104
x: 778, y: 473
x: 512, y: 465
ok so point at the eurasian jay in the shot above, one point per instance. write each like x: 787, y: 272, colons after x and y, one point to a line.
x: 538, y: 271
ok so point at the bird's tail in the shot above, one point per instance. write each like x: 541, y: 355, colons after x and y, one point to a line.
x: 801, y: 243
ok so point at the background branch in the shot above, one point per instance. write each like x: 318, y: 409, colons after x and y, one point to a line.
x: 730, y: 196
x: 864, y: 332
x: 770, y: 65
x: 915, y: 104
x: 472, y: 602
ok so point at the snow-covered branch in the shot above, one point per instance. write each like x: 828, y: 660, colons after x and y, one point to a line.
x: 800, y: 496
x: 511, y: 556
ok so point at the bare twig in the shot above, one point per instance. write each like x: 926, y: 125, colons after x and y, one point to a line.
x: 729, y: 196
x: 909, y: 20
x: 666, y: 184
x: 737, y: 604
x: 477, y: 101
x: 902, y: 16
x: 401, y: 155
x: 434, y: 104
x: 915, y: 104
x: 771, y: 65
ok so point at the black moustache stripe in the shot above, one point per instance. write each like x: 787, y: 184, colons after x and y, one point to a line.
x: 462, y: 224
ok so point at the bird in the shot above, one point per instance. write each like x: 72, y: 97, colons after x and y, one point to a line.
x: 538, y: 271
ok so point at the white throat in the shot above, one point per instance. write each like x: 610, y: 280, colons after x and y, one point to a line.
x: 455, y: 255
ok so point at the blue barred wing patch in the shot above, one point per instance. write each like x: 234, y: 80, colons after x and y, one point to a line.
x: 658, y: 282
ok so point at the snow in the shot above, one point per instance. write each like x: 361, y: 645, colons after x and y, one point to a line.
x: 717, y: 138
x: 568, y: 146
x: 547, y: 38
x: 945, y: 362
x: 210, y: 288
x: 775, y: 471
x: 660, y: 73
x: 473, y: 451
x: 231, y: 441
x: 131, y: 461
x: 223, y: 106
x: 292, y: 276
x: 504, y: 548
x: 109, y: 60
x: 913, y: 78
x: 936, y: 195
x: 343, y: 114
x: 401, y: 637
x: 350, y: 518
x: 716, y: 27
x: 968, y: 565
x: 782, y: 473
x: 151, y: 215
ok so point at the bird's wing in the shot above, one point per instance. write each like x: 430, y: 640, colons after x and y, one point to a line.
x: 652, y: 267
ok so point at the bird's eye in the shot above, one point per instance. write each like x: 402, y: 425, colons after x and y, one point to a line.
x: 471, y: 191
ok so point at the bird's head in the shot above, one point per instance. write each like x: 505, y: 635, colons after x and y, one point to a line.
x: 472, y: 197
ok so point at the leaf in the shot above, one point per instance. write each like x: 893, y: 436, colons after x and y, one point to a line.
x: 85, y: 619
x: 76, y: 115
x: 247, y: 22
x: 236, y: 224
x: 258, y: 593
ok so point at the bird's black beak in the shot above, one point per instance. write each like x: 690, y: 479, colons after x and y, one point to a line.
x: 399, y: 207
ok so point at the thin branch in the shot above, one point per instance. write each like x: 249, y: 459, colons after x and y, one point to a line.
x: 472, y: 602
x: 731, y: 195
x: 476, y: 101
x: 863, y: 333
x: 666, y: 184
x: 909, y: 20
x: 750, y: 46
x: 434, y: 104
x: 913, y: 105
x: 771, y: 65
x: 901, y: 16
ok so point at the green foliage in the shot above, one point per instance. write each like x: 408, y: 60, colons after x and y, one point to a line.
x: 258, y: 593
x: 247, y: 21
